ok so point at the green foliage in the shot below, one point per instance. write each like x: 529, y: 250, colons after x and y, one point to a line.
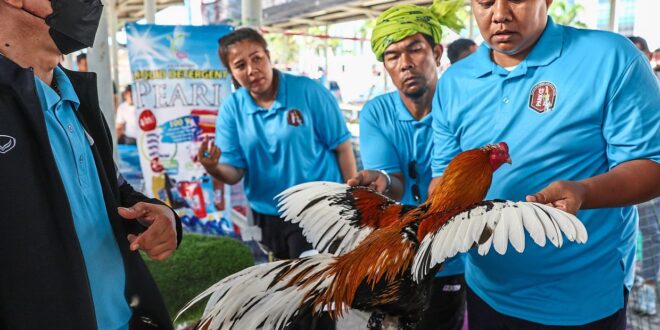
x: 565, y: 14
x: 364, y: 31
x: 283, y: 49
x: 319, y: 44
x: 199, y: 262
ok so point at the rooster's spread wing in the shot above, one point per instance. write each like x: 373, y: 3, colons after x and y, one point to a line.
x: 496, y: 223
x: 335, y: 217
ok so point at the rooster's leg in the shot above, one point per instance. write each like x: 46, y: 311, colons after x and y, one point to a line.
x: 376, y: 321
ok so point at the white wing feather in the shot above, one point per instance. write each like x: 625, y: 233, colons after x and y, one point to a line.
x: 533, y: 225
x: 550, y: 227
x: 516, y: 231
x: 496, y: 224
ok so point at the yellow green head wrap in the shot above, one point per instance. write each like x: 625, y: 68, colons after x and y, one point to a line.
x: 402, y: 21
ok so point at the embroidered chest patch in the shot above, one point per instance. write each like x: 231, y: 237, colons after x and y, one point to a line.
x: 295, y: 118
x: 542, y: 97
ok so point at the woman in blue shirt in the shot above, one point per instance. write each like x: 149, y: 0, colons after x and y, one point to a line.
x: 275, y: 131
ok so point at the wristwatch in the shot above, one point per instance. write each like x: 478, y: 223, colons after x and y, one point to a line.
x: 389, y: 181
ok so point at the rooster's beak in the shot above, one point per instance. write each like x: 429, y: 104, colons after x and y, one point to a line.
x: 508, y: 160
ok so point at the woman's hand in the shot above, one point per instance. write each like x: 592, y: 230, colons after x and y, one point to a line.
x: 208, y: 154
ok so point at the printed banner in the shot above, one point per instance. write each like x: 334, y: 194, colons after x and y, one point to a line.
x: 178, y: 86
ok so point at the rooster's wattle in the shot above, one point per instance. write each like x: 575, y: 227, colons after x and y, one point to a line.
x: 380, y: 256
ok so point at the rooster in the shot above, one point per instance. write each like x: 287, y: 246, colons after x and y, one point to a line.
x: 377, y: 255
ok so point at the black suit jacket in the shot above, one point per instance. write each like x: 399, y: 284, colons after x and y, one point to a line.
x: 43, y: 280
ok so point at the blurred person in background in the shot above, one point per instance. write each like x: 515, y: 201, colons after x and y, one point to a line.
x: 126, y: 125
x: 642, y: 45
x: 396, y: 134
x: 275, y: 131
x: 81, y: 61
x: 656, y: 59
x: 459, y: 49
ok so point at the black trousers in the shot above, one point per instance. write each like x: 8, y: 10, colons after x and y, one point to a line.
x: 482, y: 317
x: 286, y: 241
x: 447, y: 307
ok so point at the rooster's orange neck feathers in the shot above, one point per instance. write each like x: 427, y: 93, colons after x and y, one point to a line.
x: 465, y: 182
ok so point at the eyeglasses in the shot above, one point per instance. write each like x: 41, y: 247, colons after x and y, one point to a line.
x: 412, y: 173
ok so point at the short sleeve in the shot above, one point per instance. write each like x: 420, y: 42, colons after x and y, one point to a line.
x: 329, y: 124
x: 445, y: 144
x: 377, y: 152
x: 226, y: 135
x: 631, y: 125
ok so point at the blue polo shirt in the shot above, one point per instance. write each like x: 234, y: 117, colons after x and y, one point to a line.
x: 581, y: 103
x: 292, y: 142
x: 75, y: 162
x: 390, y: 138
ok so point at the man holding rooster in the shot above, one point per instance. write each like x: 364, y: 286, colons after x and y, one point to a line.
x: 584, y: 133
x: 396, y: 133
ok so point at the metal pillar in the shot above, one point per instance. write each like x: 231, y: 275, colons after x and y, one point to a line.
x: 68, y: 61
x: 325, y: 54
x: 98, y: 58
x: 612, y: 19
x: 150, y: 11
x: 114, y: 51
x: 251, y: 13
x: 471, y: 19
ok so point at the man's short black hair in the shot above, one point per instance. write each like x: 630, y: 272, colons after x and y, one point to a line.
x: 641, y: 42
x: 80, y: 57
x: 459, y: 49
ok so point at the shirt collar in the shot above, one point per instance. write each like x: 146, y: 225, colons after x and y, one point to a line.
x: 549, y: 46
x: 67, y: 92
x: 402, y: 111
x: 547, y: 49
x: 405, y: 115
x: 280, y: 99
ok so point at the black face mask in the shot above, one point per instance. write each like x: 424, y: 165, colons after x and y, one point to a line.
x: 73, y: 23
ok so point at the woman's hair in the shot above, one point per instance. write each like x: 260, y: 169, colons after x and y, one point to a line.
x: 239, y: 35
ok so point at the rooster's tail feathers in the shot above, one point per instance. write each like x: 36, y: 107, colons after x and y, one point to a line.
x: 266, y: 296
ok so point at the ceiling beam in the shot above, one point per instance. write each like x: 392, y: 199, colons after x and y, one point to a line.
x: 371, y: 13
x: 307, y: 21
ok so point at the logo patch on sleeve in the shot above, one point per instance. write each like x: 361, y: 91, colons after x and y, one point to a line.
x: 542, y: 97
x: 6, y: 143
x: 295, y: 117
